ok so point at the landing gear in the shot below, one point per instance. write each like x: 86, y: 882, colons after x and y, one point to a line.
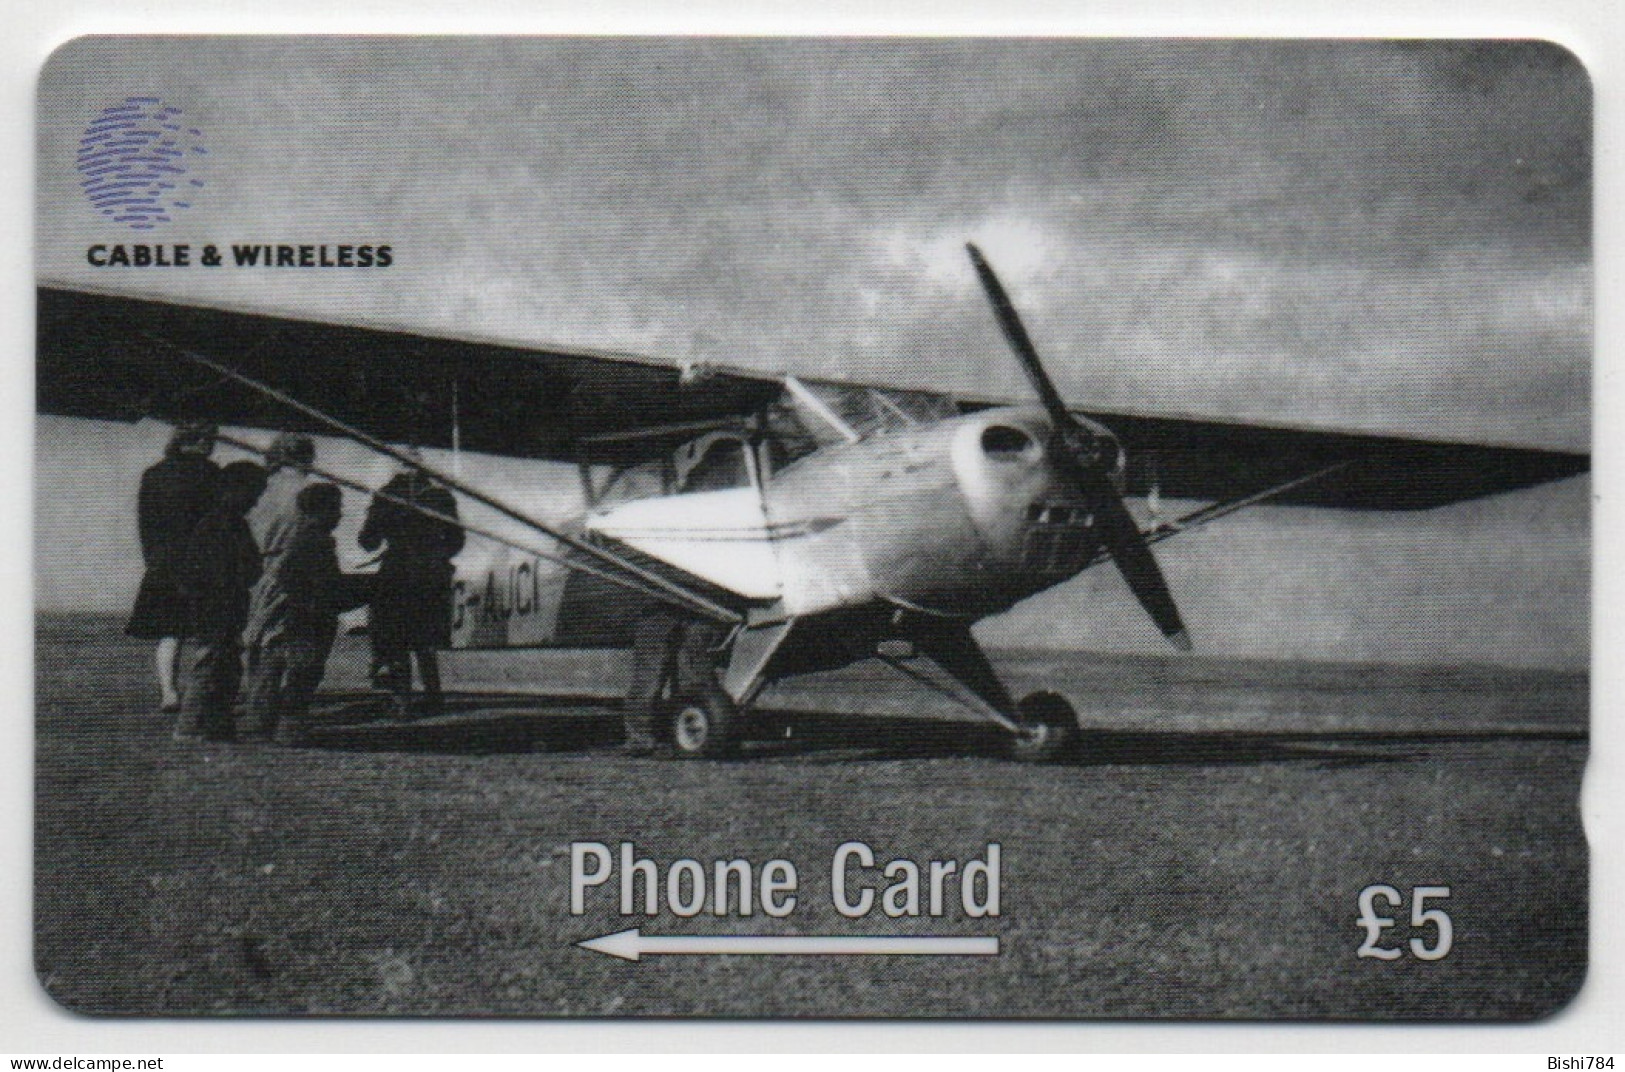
x: 1047, y: 728
x: 1042, y: 727
x: 706, y: 725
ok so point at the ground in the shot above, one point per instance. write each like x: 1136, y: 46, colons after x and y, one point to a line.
x: 1203, y: 858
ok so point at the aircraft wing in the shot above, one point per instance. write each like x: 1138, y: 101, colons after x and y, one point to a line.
x: 118, y: 357
x: 1217, y: 461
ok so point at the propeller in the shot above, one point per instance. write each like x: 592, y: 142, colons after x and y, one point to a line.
x: 1077, y: 452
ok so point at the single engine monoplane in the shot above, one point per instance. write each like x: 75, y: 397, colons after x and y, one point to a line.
x: 821, y: 522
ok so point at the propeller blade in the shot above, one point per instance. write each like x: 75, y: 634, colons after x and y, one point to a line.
x: 1120, y: 534
x: 1139, y: 568
x: 1016, y: 334
x: 1118, y: 529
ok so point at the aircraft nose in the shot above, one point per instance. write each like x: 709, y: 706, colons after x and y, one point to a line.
x: 1001, y: 463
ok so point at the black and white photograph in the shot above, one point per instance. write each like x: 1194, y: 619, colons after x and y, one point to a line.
x: 836, y: 528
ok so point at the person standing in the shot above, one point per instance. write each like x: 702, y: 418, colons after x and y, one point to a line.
x: 287, y: 467
x: 672, y: 652
x: 310, y: 592
x: 271, y: 522
x: 174, y: 495
x: 411, y: 599
x: 220, y: 565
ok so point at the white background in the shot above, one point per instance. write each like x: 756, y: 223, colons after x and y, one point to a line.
x: 30, y: 1023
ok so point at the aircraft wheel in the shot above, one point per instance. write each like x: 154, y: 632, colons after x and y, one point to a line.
x: 706, y: 726
x: 1049, y: 728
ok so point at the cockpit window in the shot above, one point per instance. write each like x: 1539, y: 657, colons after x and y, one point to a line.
x: 640, y: 481
x: 866, y: 410
x: 721, y: 464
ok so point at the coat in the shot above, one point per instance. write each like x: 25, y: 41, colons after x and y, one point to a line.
x: 174, y: 496
x: 220, y: 566
x: 302, y: 591
x: 411, y: 600
x: 273, y: 521
x: 277, y: 511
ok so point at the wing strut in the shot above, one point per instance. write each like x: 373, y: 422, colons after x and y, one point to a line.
x: 668, y: 591
x: 1213, y: 512
x: 495, y: 537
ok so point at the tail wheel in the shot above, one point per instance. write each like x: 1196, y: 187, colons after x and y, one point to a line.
x: 706, y: 725
x: 1049, y: 728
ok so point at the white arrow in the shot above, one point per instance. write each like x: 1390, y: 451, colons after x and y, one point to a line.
x: 634, y: 945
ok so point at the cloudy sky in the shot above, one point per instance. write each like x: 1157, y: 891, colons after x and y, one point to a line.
x: 1356, y: 235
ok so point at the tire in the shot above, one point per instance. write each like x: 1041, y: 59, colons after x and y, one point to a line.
x: 706, y: 726
x: 1049, y: 729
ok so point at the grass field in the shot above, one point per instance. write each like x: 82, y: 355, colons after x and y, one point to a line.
x: 1203, y: 859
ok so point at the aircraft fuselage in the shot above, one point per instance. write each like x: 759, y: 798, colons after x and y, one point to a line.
x: 962, y: 517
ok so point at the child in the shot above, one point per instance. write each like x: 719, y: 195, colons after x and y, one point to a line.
x: 302, y: 594
x: 219, y: 564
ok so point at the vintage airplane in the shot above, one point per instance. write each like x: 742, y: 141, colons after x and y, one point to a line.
x: 823, y: 522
